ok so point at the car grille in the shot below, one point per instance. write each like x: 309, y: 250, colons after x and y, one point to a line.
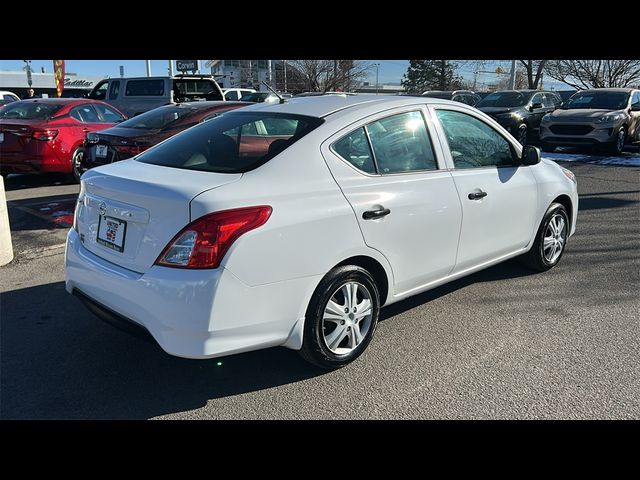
x: 571, y: 129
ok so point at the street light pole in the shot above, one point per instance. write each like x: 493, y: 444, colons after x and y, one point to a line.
x: 377, y: 65
x: 28, y: 69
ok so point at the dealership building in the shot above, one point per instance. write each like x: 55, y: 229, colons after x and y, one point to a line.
x: 44, y: 84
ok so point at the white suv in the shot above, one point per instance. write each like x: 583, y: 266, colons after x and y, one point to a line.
x: 234, y: 94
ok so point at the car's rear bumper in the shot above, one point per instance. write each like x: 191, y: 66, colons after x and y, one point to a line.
x: 190, y: 313
x: 11, y: 162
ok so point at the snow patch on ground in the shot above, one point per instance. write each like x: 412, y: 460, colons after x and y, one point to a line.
x: 627, y: 158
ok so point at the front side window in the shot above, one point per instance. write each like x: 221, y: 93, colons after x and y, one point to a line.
x: 473, y: 143
x: 100, y: 91
x: 538, y: 98
x: 401, y: 144
x: 354, y: 148
x: 228, y: 143
x: 635, y: 100
x: 231, y: 95
x: 145, y: 88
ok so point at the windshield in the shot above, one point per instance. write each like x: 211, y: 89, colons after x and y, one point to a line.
x: 599, y: 100
x: 504, y: 99
x: 235, y: 142
x: 158, y: 118
x: 29, y: 110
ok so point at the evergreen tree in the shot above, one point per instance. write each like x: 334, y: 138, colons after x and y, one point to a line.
x: 425, y: 75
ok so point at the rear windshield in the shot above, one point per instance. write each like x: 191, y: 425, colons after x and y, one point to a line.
x: 192, y: 89
x: 158, y: 118
x: 600, y: 100
x: 29, y: 110
x: 235, y: 142
x: 504, y: 99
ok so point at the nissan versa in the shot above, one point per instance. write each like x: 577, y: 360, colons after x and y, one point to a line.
x: 293, y: 223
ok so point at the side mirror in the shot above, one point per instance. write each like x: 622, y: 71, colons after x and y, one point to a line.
x: 530, y: 155
x: 635, y: 107
x: 535, y: 106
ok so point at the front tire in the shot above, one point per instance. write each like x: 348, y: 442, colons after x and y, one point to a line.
x: 617, y: 146
x: 551, y: 239
x: 341, y: 318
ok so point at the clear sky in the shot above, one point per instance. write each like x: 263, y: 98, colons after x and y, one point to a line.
x: 390, y: 71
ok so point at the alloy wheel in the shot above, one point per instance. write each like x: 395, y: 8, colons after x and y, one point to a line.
x: 347, y: 318
x: 555, y: 237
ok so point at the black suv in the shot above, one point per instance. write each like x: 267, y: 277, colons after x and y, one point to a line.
x: 462, y: 96
x: 520, y: 111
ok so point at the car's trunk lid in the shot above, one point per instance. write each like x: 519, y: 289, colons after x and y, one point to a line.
x: 130, y: 210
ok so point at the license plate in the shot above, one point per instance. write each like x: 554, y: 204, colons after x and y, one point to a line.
x: 111, y: 233
x: 101, y: 151
x: 1, y: 137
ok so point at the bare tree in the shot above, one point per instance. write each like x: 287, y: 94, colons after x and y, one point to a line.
x: 584, y: 74
x: 534, y: 70
x: 329, y: 75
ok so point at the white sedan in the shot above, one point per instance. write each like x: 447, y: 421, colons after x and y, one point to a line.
x: 292, y: 224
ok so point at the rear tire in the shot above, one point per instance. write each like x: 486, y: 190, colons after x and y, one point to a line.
x: 76, y: 160
x: 551, y: 240
x: 338, y: 325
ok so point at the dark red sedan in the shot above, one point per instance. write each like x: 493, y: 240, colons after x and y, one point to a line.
x: 148, y: 129
x: 47, y: 134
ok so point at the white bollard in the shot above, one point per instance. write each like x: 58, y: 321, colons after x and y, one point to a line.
x: 6, y: 250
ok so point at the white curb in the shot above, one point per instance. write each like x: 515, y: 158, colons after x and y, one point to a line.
x: 6, y: 249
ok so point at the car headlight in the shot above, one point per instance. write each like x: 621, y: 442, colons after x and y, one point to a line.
x: 570, y: 175
x: 609, y: 118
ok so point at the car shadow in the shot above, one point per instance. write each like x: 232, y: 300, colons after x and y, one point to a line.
x: 502, y: 271
x: 60, y: 362
x: 23, y: 181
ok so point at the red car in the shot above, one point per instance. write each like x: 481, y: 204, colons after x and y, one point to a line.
x: 47, y: 134
x: 143, y: 131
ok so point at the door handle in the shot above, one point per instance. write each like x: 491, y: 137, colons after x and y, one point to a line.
x: 477, y: 195
x: 373, y: 214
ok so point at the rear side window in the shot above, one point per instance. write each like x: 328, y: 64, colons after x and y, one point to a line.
x: 29, y: 110
x: 354, y: 148
x: 85, y: 113
x: 401, y: 144
x: 108, y: 115
x: 197, y: 88
x: 145, y: 88
x: 235, y: 142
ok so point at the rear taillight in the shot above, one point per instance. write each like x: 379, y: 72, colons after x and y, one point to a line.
x: 203, y: 243
x: 44, y: 135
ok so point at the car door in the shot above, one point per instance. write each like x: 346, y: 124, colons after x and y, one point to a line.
x: 404, y: 200
x: 498, y: 195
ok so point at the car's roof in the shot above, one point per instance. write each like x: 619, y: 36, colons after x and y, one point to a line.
x: 623, y: 90
x: 205, y: 104
x: 63, y: 101
x: 321, y: 106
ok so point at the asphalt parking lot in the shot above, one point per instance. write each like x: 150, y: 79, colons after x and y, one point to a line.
x: 502, y: 343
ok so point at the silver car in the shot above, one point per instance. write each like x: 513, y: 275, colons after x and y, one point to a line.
x: 605, y: 117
